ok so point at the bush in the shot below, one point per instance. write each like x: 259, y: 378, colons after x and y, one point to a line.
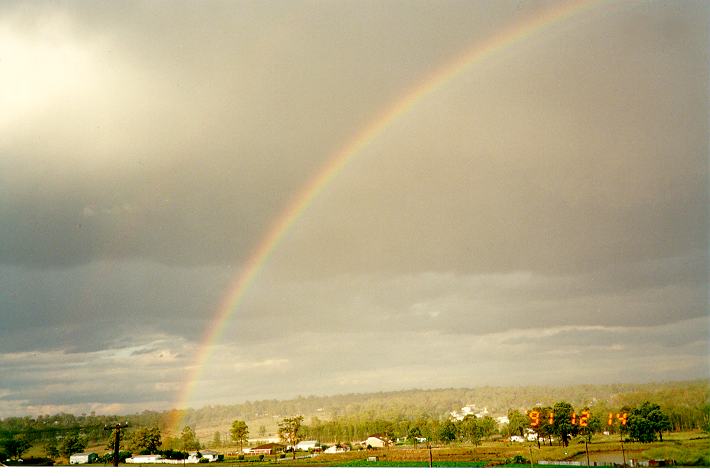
x: 282, y: 455
x: 517, y: 459
x: 204, y: 460
x: 240, y: 457
x: 261, y: 457
x: 173, y: 454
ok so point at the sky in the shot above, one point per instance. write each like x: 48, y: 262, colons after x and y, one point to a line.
x: 540, y: 217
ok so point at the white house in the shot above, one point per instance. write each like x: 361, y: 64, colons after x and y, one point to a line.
x: 145, y: 459
x: 502, y: 420
x: 517, y: 439
x: 209, y: 455
x: 335, y: 449
x: 306, y: 445
x: 82, y: 458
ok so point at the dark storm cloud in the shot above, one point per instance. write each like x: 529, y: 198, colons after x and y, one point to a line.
x: 105, y: 304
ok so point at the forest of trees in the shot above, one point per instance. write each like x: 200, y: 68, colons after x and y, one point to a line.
x: 683, y: 400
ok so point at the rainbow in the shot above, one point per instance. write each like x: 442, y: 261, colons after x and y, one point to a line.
x: 337, y: 162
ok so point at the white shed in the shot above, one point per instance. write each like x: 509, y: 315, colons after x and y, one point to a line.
x: 82, y: 458
x: 306, y: 445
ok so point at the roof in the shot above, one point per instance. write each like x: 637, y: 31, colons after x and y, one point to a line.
x: 268, y: 446
x: 84, y: 454
x: 381, y: 436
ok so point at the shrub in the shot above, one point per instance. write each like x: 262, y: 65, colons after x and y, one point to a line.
x: 240, y: 457
x: 204, y: 460
x: 261, y: 457
x: 517, y: 459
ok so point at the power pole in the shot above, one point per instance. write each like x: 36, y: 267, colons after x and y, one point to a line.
x: 430, y: 456
x: 586, y: 448
x: 116, y: 440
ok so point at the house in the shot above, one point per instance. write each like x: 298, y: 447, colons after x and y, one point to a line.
x: 502, y: 420
x: 517, y: 439
x: 82, y: 458
x: 196, y: 456
x: 145, y: 459
x: 530, y: 434
x: 336, y: 449
x: 306, y: 445
x: 268, y: 449
x: 378, y: 440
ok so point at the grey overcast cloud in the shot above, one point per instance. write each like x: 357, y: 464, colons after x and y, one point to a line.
x: 541, y: 217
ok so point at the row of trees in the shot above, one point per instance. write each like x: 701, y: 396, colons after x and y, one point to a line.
x: 559, y: 422
x: 643, y: 423
x: 67, y: 445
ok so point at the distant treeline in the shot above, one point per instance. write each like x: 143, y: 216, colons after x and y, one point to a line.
x: 352, y: 416
x: 685, y: 402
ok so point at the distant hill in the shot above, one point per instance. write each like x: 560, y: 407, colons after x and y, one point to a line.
x: 437, y: 403
x: 686, y: 402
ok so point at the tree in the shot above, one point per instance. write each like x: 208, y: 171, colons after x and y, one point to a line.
x: 216, y: 439
x: 262, y: 430
x: 562, y: 425
x: 646, y: 421
x: 659, y: 421
x: 471, y: 430
x: 288, y: 431
x: 517, y: 423
x: 546, y: 429
x: 50, y: 449
x: 72, y: 443
x: 640, y: 429
x: 413, y: 434
x: 447, y: 431
x: 488, y: 425
x: 240, y: 433
x: 172, y: 443
x: 188, y: 439
x: 594, y: 425
x: 16, y: 446
x: 146, y: 440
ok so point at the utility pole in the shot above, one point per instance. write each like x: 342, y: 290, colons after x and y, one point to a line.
x: 116, y: 440
x: 430, y: 456
x: 586, y: 448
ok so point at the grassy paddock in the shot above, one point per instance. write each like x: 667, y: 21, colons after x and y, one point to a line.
x: 686, y: 448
